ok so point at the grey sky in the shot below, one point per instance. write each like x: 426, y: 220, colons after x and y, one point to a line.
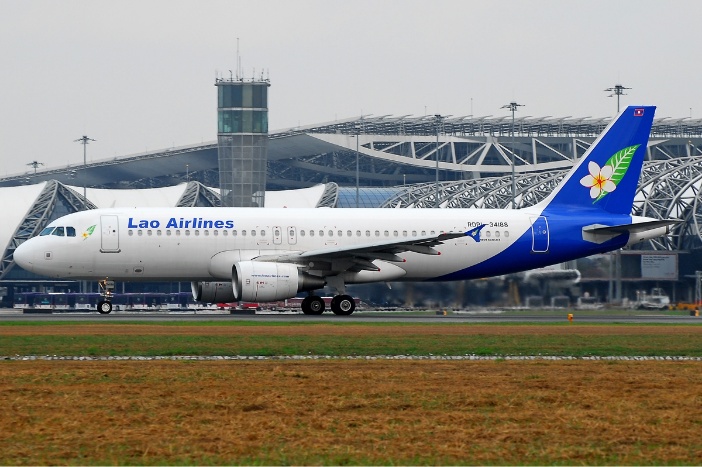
x: 139, y: 75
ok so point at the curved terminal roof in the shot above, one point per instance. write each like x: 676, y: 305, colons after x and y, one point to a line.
x: 391, y: 151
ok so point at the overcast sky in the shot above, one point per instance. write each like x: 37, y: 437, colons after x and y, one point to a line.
x: 139, y: 75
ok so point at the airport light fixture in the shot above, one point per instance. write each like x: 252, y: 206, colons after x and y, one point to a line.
x: 84, y: 140
x: 35, y: 165
x: 617, y: 90
x: 512, y: 106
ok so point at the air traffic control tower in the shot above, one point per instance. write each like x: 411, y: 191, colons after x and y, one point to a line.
x: 242, y: 141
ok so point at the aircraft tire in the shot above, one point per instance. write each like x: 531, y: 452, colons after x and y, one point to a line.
x: 343, y: 305
x: 313, y: 305
x: 104, y: 307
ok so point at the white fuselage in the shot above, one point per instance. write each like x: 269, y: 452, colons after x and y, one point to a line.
x: 203, y: 243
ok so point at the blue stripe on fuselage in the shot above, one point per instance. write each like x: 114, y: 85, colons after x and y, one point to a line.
x: 566, y: 243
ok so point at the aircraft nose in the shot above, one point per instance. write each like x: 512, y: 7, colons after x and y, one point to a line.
x: 23, y: 257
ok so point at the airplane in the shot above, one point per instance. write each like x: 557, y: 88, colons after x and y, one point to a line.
x: 260, y: 255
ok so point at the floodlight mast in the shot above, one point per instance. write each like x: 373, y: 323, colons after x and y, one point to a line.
x: 512, y: 106
x: 84, y: 140
x: 438, y: 119
x: 617, y: 90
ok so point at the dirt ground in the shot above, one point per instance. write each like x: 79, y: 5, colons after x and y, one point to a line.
x: 350, y: 411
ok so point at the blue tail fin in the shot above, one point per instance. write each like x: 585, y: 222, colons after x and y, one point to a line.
x: 608, y: 174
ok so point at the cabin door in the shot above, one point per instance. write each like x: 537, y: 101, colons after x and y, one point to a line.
x: 109, y: 227
x: 539, y: 235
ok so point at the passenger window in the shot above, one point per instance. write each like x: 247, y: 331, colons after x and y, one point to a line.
x: 187, y: 233
x: 348, y: 233
x: 46, y: 231
x: 177, y: 233
x: 311, y: 233
x: 215, y: 232
x: 158, y: 232
x: 140, y: 233
x: 386, y: 233
x: 234, y: 233
x: 253, y: 233
x: 206, y: 232
x: 70, y: 232
x: 321, y: 233
x: 340, y: 233
x: 424, y: 232
x: 414, y: 233
x: 404, y: 233
x: 243, y: 233
x: 367, y: 233
x: 377, y: 233
x: 168, y: 233
x: 148, y: 232
x: 302, y: 233
x: 506, y: 233
x: 131, y: 233
x: 358, y: 233
x: 225, y: 232
x: 58, y: 232
x: 197, y: 233
x: 263, y: 233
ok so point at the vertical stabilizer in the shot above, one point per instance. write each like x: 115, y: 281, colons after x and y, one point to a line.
x: 608, y: 174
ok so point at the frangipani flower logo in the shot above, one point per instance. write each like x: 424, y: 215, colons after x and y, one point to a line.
x: 599, y: 180
x: 603, y: 180
x: 88, y: 232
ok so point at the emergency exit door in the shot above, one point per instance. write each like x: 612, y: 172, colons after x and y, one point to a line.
x: 109, y: 228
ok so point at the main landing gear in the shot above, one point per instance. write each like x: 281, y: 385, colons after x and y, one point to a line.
x: 107, y: 288
x: 342, y: 305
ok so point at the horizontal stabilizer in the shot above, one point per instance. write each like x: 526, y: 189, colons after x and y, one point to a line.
x: 598, y: 233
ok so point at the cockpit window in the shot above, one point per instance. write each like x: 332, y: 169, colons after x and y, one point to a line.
x: 58, y: 232
x: 46, y: 231
x: 70, y: 232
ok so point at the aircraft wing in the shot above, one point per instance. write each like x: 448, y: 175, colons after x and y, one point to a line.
x: 360, y: 257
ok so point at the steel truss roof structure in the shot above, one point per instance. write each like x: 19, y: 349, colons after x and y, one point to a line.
x: 391, y: 151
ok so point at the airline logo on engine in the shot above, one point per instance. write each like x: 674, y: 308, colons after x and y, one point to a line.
x: 181, y: 223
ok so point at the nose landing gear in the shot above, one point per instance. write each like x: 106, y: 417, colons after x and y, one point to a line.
x: 107, y: 287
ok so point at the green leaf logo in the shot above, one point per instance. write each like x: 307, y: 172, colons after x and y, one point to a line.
x: 619, y: 162
x: 603, y: 180
x: 88, y: 232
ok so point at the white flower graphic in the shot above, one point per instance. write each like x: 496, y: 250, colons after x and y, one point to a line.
x: 599, y: 180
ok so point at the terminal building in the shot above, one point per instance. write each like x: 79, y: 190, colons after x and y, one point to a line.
x: 380, y: 162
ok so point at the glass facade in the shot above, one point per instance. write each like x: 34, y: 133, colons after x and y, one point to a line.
x: 242, y: 128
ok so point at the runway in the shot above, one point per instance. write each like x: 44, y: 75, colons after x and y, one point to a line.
x: 477, y: 317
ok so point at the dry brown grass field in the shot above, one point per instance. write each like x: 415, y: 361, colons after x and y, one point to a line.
x: 350, y: 411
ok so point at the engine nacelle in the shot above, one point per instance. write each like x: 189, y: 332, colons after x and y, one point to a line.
x: 255, y: 281
x: 213, y: 292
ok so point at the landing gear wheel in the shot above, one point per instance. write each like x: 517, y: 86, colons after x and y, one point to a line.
x: 343, y: 305
x: 313, y: 305
x: 104, y: 307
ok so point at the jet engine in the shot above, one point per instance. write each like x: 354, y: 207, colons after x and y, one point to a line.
x: 213, y: 292
x: 255, y: 281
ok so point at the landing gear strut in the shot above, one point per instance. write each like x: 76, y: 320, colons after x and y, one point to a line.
x: 107, y: 287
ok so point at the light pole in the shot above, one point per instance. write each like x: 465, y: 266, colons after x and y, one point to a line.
x: 512, y: 106
x: 84, y: 140
x: 617, y: 90
x: 35, y: 165
x: 357, y: 166
x: 437, y: 120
